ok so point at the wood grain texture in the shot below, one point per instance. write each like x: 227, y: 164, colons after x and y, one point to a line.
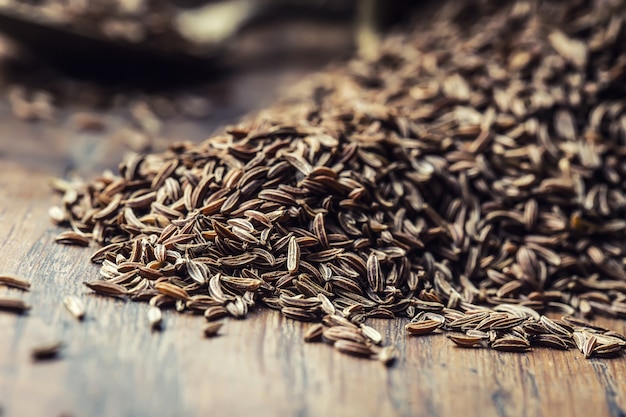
x: 113, y: 365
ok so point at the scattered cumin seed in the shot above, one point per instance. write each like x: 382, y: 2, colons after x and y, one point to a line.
x: 14, y: 281
x: 75, y: 306
x: 212, y: 328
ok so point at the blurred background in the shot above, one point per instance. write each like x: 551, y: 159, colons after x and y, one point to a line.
x: 94, y: 77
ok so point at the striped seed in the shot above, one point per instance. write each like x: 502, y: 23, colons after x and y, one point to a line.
x: 13, y: 304
x: 422, y: 327
x: 212, y: 328
x: 14, y: 282
x: 107, y: 288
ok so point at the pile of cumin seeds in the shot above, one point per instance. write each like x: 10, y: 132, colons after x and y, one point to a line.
x: 120, y: 20
x: 470, y: 178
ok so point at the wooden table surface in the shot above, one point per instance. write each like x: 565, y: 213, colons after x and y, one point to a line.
x: 113, y: 365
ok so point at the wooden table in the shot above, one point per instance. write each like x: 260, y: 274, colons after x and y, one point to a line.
x: 113, y: 365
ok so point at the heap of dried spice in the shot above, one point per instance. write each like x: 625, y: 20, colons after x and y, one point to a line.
x: 129, y: 21
x: 471, y: 177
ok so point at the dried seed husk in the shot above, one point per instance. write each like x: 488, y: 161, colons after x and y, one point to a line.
x: 468, y: 320
x: 172, y: 290
x: 197, y: 272
x: 14, y: 304
x: 606, y: 349
x: 333, y: 334
x: 353, y: 348
x: 310, y: 303
x: 555, y: 328
x: 551, y: 341
x: 215, y: 313
x: 387, y: 355
x: 510, y: 344
x: 374, y: 274
x: 75, y: 306
x: 72, y: 238
x: 237, y: 308
x: 14, y: 281
x: 372, y: 334
x: 57, y: 215
x: 301, y: 314
x: 242, y: 284
x: 47, y: 350
x: 212, y: 328
x: 589, y: 345
x: 202, y: 302
x: 575, y: 321
x: 326, y: 305
x: 507, y: 323
x: 155, y: 317
x: 427, y: 305
x: 422, y: 327
x: 107, y: 288
x: 293, y: 256
x: 314, y: 333
x: 464, y: 340
x: 336, y: 320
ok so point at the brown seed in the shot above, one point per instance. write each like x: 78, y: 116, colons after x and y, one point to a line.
x: 326, y: 304
x: 427, y: 305
x: 510, y: 344
x: 171, y: 290
x: 422, y: 327
x: 300, y: 302
x: 109, y: 209
x: 14, y: 282
x: 215, y: 312
x: 212, y: 328
x: 13, y: 304
x: 353, y: 348
x: 465, y: 341
x: 314, y: 333
x: 589, y: 346
x: 319, y: 229
x: 277, y: 196
x: 107, y: 288
x: 197, y: 271
x: 336, y: 320
x: 580, y: 339
x: 374, y: 275
x: 164, y: 172
x: 47, y: 350
x: 372, y: 334
x: 72, y: 238
x: 572, y: 50
x: 237, y: 308
x: 301, y: 314
x: 293, y: 256
x: 507, y: 323
x: 241, y: 284
x: 606, y: 349
x: 555, y: 328
x: 551, y: 341
x: 468, y: 320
